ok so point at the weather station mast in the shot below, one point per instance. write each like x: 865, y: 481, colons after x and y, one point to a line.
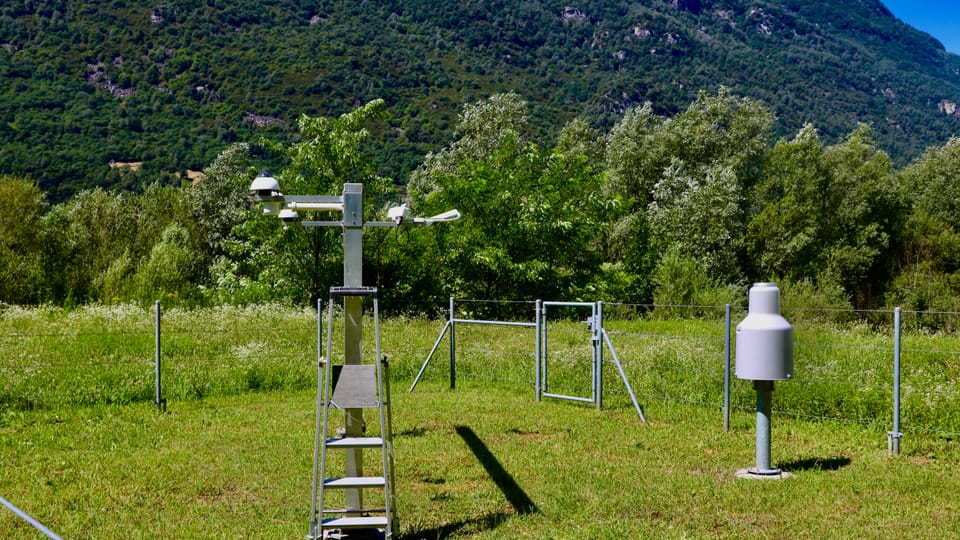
x: 352, y: 385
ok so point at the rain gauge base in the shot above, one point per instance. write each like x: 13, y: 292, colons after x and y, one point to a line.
x: 753, y: 474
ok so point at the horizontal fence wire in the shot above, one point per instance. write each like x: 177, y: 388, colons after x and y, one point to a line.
x: 843, y: 365
x: 844, y: 359
x: 107, y: 355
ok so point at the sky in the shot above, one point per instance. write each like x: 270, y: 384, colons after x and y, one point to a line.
x: 939, y: 18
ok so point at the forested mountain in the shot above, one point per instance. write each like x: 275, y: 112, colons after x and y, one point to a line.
x: 166, y: 86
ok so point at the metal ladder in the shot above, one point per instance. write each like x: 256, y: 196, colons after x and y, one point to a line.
x: 353, y: 388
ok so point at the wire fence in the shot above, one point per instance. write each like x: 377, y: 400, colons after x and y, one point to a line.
x: 117, y: 355
x: 886, y: 369
x: 874, y: 368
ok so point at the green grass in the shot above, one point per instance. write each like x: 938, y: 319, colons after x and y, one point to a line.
x: 86, y: 453
x: 105, y: 355
x: 239, y: 466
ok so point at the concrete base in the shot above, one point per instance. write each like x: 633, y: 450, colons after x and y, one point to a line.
x: 752, y: 474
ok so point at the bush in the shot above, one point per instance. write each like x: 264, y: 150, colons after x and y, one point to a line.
x: 683, y: 288
x: 807, y: 301
x: 921, y: 288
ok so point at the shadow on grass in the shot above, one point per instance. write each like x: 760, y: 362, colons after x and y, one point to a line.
x: 816, y: 464
x: 508, y: 486
x: 413, y: 432
x: 513, y: 492
x: 489, y: 521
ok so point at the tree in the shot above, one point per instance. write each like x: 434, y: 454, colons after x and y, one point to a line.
x: 96, y: 228
x: 928, y: 268
x: 784, y: 237
x: 865, y: 224
x: 224, y: 219
x: 531, y: 217
x: 933, y: 229
x: 218, y: 202
x: 94, y: 242
x: 688, y: 177
x: 22, y: 205
x: 701, y: 215
x: 636, y: 155
x: 169, y: 273
x: 482, y: 128
x: 305, y: 262
x: 827, y: 213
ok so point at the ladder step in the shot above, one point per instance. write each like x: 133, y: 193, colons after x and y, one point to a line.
x: 354, y: 442
x: 353, y: 291
x: 365, y: 511
x: 355, y: 482
x: 354, y: 386
x: 375, y: 522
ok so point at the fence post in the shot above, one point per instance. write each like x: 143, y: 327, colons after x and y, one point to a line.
x: 893, y: 437
x: 453, y: 347
x: 319, y: 331
x: 161, y: 403
x: 596, y: 333
x: 726, y: 369
x: 537, y: 353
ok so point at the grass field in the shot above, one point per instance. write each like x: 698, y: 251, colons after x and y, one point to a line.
x: 85, y: 452
x: 473, y: 463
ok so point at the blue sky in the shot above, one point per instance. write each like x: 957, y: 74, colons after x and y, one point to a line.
x: 939, y: 18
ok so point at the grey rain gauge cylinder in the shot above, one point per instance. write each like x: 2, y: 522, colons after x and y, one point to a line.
x: 764, y: 355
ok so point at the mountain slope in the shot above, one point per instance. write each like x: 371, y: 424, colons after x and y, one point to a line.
x: 168, y: 86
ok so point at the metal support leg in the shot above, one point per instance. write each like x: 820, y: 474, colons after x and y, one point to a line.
x: 429, y: 356
x: 764, y: 395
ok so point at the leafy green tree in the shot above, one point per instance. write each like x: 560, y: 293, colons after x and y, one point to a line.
x: 933, y: 230
x: 98, y: 229
x: 62, y: 241
x: 635, y: 155
x: 831, y: 214
x: 482, y: 128
x: 94, y: 242
x: 868, y: 218
x: 929, y: 264
x: 700, y: 215
x: 688, y: 177
x: 305, y: 261
x: 219, y: 200
x: 531, y: 217
x: 169, y: 273
x: 224, y: 220
x: 22, y: 205
x: 784, y: 237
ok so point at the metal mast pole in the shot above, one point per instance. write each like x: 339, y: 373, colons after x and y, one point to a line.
x: 353, y: 326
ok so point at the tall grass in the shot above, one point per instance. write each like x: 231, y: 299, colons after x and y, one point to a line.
x: 52, y: 358
x: 106, y: 355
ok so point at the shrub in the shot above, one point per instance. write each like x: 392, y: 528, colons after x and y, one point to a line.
x: 807, y: 301
x: 683, y: 288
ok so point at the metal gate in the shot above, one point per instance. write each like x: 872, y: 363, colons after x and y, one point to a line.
x: 598, y: 337
x: 593, y: 361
